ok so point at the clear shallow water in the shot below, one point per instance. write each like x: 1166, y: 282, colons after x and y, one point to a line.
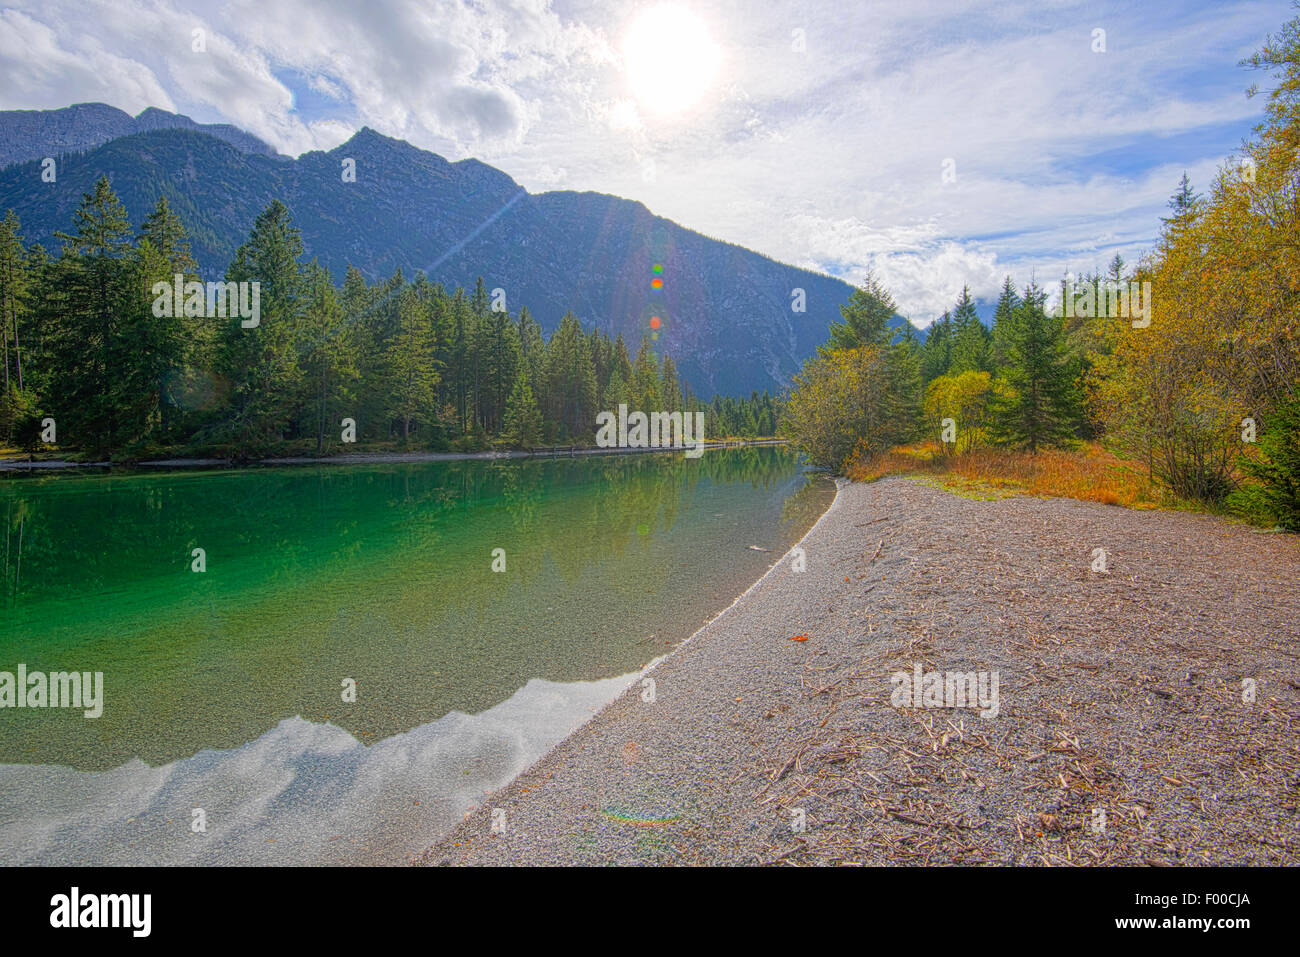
x: 223, y: 689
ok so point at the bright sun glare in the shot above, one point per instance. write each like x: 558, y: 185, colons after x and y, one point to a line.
x: 671, y: 59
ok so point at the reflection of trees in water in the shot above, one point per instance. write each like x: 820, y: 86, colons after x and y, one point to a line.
x: 800, y: 510
x: 68, y: 535
x: 760, y: 466
x: 583, y: 511
x: 379, y: 573
x: 633, y: 498
x: 16, y: 513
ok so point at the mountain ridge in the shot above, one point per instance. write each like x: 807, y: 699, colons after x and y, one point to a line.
x: 35, y: 134
x: 725, y: 311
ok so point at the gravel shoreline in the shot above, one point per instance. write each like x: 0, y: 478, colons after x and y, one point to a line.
x: 1121, y: 735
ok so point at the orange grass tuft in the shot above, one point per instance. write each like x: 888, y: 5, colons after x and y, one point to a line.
x: 1089, y: 473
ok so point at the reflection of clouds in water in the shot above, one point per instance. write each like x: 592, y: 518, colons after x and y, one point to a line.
x: 302, y: 793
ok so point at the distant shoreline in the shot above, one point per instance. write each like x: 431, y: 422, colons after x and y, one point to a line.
x: 353, y: 458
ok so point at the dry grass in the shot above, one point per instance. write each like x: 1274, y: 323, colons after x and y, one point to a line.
x: 1090, y: 473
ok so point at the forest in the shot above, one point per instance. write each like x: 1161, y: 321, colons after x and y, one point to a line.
x: 90, y: 367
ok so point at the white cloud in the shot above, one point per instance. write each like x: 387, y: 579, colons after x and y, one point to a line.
x: 41, y: 72
x: 829, y: 156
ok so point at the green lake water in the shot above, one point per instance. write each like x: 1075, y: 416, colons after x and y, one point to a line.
x: 223, y: 690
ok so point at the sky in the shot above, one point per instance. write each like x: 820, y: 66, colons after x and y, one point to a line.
x: 939, y: 143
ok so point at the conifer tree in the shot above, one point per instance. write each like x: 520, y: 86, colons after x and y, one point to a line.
x: 163, y: 228
x: 903, y: 368
x: 410, y: 364
x: 1115, y: 271
x: 616, y: 393
x: 1003, y: 314
x: 148, y: 351
x: 196, y: 335
x: 1186, y: 204
x: 622, y: 362
x: 95, y: 289
x: 523, y: 417
x: 670, y: 391
x: 462, y: 324
x: 259, y: 361
x: 501, y: 358
x: 867, y: 317
x: 14, y: 283
x: 645, y: 379
x: 1039, y: 405
x: 532, y: 347
x: 329, y: 355
x: 936, y: 354
x: 970, y: 344
x: 569, y: 387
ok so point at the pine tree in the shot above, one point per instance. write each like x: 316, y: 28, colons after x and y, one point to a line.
x: 670, y: 391
x: 1115, y: 271
x: 1277, y: 467
x: 95, y: 294
x: 867, y: 318
x: 532, y: 347
x: 645, y: 379
x: 616, y: 393
x: 622, y: 362
x: 149, y: 350
x: 329, y: 357
x: 970, y: 344
x: 602, y: 358
x: 196, y: 335
x: 14, y: 284
x: 39, y: 329
x: 410, y: 364
x: 359, y: 304
x: 163, y: 228
x: 936, y: 354
x: 569, y: 383
x: 477, y: 336
x: 1039, y: 403
x: 501, y: 359
x: 1186, y: 205
x: 1003, y: 315
x: 462, y: 335
x: 523, y: 417
x: 260, y: 361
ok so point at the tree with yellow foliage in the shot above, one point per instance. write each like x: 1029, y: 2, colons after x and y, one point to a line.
x: 963, y: 398
x: 840, y: 399
x: 1222, y: 345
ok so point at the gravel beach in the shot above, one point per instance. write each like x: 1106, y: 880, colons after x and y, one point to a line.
x: 1147, y: 709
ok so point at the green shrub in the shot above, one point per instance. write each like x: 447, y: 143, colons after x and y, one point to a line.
x: 1276, y: 469
x: 20, y: 420
x: 472, y: 442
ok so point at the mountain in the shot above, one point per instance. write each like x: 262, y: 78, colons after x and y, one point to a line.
x: 35, y: 134
x: 726, y: 316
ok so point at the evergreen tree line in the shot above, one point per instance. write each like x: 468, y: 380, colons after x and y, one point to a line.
x: 406, y: 360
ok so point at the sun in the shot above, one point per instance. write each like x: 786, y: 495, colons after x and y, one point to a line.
x: 670, y: 58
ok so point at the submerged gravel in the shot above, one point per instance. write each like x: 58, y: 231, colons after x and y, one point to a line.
x: 1125, y: 729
